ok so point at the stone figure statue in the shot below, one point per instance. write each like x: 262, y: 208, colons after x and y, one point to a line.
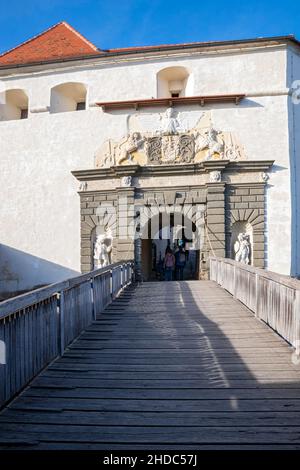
x: 242, y: 248
x: 103, y: 249
x: 210, y: 142
x: 170, y: 123
x: 133, y: 143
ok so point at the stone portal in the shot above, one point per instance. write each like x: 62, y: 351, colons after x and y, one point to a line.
x: 174, y: 183
x: 126, y: 200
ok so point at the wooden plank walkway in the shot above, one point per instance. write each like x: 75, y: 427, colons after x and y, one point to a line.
x: 170, y: 365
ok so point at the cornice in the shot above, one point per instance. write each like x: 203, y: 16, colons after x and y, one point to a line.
x: 172, y: 170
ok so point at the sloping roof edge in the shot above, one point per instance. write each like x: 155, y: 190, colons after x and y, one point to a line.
x: 148, y: 49
x: 33, y: 38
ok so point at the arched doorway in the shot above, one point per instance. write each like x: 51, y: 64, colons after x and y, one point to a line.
x: 181, y: 234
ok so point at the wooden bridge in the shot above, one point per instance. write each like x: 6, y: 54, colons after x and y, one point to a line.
x: 170, y: 365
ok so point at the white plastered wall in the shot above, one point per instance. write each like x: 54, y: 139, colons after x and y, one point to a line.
x: 293, y: 80
x: 40, y: 218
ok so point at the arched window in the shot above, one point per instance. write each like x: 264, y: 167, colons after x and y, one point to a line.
x: 68, y: 97
x: 174, y: 82
x: 15, y: 105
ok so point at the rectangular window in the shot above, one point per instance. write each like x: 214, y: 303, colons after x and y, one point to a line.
x: 24, y: 114
x: 175, y: 95
x: 80, y: 106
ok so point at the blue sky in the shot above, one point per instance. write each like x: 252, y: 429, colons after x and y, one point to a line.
x: 109, y: 23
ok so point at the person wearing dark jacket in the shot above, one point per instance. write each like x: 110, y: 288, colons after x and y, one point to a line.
x: 180, y: 257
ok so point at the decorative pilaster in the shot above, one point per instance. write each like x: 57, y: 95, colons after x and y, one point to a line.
x: 215, y: 219
x: 126, y: 225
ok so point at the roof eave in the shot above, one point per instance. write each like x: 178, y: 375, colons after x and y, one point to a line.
x: 276, y: 40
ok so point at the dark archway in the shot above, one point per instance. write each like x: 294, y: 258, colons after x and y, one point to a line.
x: 174, y: 230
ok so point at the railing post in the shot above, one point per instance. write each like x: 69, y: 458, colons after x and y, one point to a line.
x: 61, y: 322
x: 297, y: 321
x: 111, y: 283
x: 234, y: 281
x: 93, y: 299
x: 257, y: 279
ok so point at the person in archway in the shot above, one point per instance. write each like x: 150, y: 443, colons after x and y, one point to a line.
x: 169, y: 264
x: 180, y: 257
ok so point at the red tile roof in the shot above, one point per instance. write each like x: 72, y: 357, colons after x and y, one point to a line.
x: 58, y: 42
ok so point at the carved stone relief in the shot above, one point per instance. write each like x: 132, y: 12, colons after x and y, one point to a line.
x: 154, y: 149
x: 186, y: 149
x: 215, y: 176
x: 171, y: 143
x: 210, y: 142
x: 264, y: 177
x: 126, y: 181
x: 126, y: 150
x: 83, y: 186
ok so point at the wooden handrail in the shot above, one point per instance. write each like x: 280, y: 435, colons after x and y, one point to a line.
x: 36, y: 327
x: 10, y: 306
x: 276, y: 277
x: 273, y: 298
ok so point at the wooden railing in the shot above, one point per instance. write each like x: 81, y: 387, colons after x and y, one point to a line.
x: 36, y: 327
x: 273, y: 298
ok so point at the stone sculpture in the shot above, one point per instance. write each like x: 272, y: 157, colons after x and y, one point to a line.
x: 215, y: 176
x: 103, y: 249
x: 210, y: 143
x: 242, y: 248
x: 171, y: 144
x: 170, y: 123
x: 126, y: 181
x: 264, y: 177
x: 131, y: 145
